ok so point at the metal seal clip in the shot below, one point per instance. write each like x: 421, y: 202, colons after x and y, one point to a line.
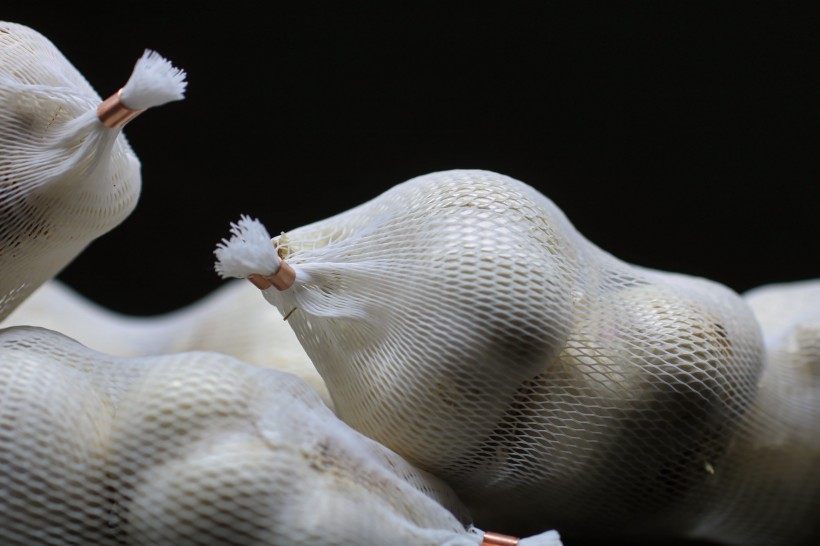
x: 282, y: 279
x: 497, y: 539
x: 114, y: 114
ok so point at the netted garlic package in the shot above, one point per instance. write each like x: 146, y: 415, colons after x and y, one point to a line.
x: 67, y: 175
x: 196, y: 449
x: 462, y: 321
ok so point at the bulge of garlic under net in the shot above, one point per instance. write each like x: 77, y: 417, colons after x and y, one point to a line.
x: 196, y: 448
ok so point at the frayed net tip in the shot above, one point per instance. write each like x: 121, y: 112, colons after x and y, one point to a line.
x: 153, y: 82
x: 249, y: 251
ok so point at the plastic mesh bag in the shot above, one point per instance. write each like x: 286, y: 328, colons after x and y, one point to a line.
x: 233, y: 321
x: 195, y: 449
x: 461, y: 320
x: 67, y: 175
x: 772, y: 494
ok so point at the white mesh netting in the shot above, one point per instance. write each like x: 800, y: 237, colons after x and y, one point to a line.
x: 460, y: 320
x: 65, y: 178
x: 233, y: 320
x: 196, y: 448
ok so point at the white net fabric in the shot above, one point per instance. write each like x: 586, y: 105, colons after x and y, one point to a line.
x: 233, y: 320
x: 195, y: 449
x: 65, y: 178
x: 461, y: 320
x: 772, y: 494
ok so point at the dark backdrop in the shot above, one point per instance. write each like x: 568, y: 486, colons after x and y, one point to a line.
x: 681, y: 137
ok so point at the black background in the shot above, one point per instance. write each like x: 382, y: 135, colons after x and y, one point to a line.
x: 681, y: 136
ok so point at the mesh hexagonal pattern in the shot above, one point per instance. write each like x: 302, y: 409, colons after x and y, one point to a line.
x: 461, y: 320
x: 195, y: 449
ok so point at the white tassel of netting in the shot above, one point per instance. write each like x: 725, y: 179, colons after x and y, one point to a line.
x: 154, y: 82
x: 251, y: 254
x: 549, y: 538
x: 248, y: 252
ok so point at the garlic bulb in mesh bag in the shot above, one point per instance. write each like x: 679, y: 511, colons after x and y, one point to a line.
x: 196, y: 449
x: 233, y: 320
x: 773, y: 487
x: 462, y: 321
x: 67, y: 175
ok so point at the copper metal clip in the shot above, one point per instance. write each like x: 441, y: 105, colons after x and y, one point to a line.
x: 497, y: 539
x: 282, y: 279
x: 114, y: 114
